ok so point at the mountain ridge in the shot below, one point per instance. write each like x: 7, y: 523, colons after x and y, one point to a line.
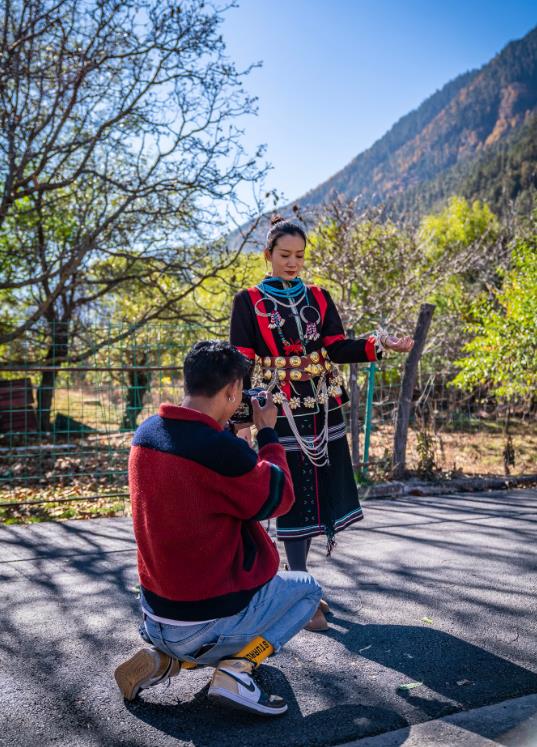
x: 470, y: 114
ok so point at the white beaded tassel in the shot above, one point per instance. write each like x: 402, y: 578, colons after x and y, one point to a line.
x: 317, y: 453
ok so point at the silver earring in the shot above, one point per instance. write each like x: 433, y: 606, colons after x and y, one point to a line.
x: 231, y: 399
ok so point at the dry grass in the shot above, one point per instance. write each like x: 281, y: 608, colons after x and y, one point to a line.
x: 102, y: 408
x: 478, y: 452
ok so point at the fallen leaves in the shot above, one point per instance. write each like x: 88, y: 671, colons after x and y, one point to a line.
x: 409, y: 686
x: 48, y: 478
x: 108, y: 502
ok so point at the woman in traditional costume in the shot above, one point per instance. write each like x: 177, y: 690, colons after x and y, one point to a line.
x: 294, y: 337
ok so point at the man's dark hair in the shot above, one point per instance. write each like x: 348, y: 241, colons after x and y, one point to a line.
x: 211, y: 365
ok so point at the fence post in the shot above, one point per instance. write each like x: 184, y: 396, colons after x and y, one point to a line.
x: 407, y: 388
x: 354, y: 392
x: 368, y: 415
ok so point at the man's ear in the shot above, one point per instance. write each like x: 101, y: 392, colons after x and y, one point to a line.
x: 233, y: 390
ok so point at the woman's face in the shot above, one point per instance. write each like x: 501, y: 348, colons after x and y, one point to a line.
x: 287, y: 258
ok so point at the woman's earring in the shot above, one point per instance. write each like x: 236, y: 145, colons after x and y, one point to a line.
x: 231, y: 399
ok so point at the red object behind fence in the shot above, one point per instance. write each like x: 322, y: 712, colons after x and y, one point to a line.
x: 17, y: 414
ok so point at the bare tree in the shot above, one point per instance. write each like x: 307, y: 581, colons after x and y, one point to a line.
x: 120, y: 156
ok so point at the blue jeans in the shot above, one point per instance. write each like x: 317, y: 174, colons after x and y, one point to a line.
x: 276, y: 612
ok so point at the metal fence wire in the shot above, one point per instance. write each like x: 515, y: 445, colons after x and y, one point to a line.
x: 451, y: 431
x: 66, y: 425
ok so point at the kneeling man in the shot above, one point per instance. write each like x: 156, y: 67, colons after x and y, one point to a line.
x: 211, y: 593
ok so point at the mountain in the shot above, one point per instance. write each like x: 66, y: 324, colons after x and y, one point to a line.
x: 476, y: 136
x: 500, y: 174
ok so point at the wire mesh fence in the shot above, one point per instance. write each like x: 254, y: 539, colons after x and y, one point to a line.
x: 66, y: 427
x: 451, y: 431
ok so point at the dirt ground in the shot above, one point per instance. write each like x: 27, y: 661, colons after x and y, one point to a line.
x: 478, y: 452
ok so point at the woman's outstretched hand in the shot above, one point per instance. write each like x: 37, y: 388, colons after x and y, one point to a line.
x: 399, y: 344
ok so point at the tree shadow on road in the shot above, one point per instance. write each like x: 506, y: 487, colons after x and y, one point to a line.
x: 70, y: 615
x: 200, y: 723
x: 445, y: 664
x: 456, y: 675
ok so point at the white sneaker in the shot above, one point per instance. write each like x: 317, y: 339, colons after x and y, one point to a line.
x: 233, y: 685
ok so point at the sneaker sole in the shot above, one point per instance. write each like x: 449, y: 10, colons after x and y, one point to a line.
x: 225, y: 698
x: 132, y: 673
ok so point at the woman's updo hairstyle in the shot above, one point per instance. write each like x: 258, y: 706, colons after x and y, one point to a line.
x: 284, y: 226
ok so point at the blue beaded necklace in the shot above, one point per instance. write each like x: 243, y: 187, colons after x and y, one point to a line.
x: 294, y: 291
x: 294, y: 294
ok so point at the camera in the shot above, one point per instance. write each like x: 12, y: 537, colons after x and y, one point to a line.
x: 244, y: 412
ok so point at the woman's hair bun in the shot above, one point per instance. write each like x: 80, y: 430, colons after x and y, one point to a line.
x: 276, y: 218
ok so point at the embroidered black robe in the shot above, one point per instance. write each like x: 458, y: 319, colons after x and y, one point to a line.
x: 326, y: 497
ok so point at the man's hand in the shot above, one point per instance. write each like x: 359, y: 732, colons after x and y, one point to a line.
x: 264, y: 417
x: 399, y: 344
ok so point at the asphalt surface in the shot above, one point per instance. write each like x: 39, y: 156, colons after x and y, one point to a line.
x: 434, y: 590
x: 512, y: 723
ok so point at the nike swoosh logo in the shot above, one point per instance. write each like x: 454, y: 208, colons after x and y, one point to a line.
x: 249, y: 686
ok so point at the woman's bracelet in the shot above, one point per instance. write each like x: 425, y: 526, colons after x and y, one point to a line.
x: 381, y: 337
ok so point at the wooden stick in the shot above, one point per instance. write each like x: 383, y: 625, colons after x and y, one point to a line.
x: 407, y: 389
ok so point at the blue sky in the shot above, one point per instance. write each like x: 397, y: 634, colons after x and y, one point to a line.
x: 337, y: 74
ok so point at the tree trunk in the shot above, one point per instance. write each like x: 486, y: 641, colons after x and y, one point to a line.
x: 44, y: 398
x: 56, y: 353
x: 139, y: 384
x: 407, y: 389
x: 509, y: 449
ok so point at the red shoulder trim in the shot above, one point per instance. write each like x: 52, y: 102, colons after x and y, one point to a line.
x: 266, y: 332
x: 247, y: 352
x: 263, y: 321
x: 322, y: 303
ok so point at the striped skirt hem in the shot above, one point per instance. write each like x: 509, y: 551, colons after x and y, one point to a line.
x: 317, y: 529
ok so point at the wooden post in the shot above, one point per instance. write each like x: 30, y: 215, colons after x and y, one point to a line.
x: 407, y: 389
x: 354, y: 392
x: 355, y: 414
x: 368, y: 415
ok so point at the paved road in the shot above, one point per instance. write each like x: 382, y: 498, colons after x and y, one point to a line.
x: 438, y: 590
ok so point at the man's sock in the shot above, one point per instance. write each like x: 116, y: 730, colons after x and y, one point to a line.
x: 256, y: 651
x: 188, y: 665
